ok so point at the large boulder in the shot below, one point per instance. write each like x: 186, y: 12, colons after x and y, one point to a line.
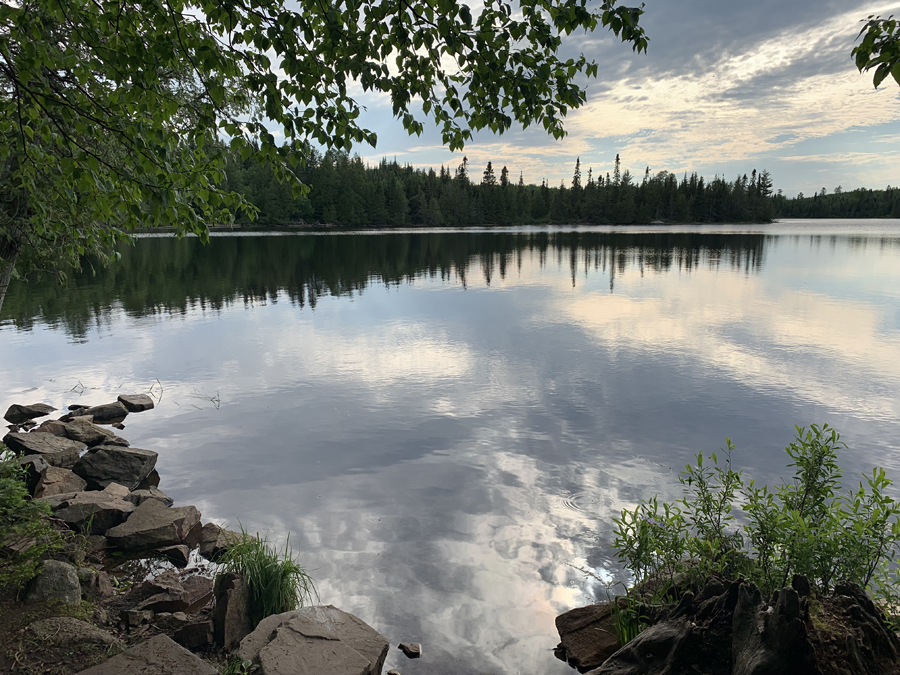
x: 57, y: 582
x: 57, y: 481
x: 83, y: 430
x: 19, y: 414
x: 231, y: 614
x: 160, y: 655
x: 319, y: 640
x: 107, y: 464
x: 62, y: 452
x: 93, y: 512
x: 215, y: 541
x: 154, y: 525
x: 108, y: 413
x: 136, y: 402
x: 587, y: 636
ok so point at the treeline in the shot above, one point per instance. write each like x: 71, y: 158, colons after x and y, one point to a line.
x: 861, y: 203
x: 346, y: 192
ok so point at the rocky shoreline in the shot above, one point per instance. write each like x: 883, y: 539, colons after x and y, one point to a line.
x: 136, y: 588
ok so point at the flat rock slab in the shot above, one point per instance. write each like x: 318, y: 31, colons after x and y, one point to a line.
x: 172, y: 594
x: 108, y: 413
x: 56, y: 481
x: 136, y: 402
x: 54, y: 427
x: 56, y: 451
x: 83, y: 430
x: 107, y: 464
x: 101, y: 509
x: 154, y: 525
x: 160, y: 655
x: 319, y: 640
x: 67, y: 630
x: 18, y: 414
x: 587, y: 635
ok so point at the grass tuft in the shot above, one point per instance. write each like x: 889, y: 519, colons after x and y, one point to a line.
x: 275, y: 581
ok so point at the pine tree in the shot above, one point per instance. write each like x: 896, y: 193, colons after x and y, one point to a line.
x: 489, y: 178
x: 504, y: 177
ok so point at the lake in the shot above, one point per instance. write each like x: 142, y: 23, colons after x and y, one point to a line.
x: 446, y: 422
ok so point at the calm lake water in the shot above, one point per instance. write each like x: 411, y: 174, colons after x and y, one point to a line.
x: 446, y: 422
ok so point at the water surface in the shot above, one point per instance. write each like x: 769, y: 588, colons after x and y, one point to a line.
x: 446, y: 422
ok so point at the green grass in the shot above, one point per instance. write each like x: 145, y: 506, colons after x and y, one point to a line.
x: 275, y: 581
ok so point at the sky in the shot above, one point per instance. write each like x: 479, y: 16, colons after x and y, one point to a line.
x: 726, y: 87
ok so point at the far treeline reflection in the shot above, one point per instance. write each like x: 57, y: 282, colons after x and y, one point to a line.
x: 163, y: 275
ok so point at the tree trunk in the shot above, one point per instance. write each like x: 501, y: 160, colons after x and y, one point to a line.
x: 9, y: 251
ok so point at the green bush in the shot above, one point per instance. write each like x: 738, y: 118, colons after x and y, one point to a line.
x: 275, y: 581
x: 26, y: 536
x: 806, y: 525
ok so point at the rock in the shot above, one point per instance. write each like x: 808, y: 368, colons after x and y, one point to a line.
x: 170, y: 620
x: 77, y: 406
x: 35, y: 467
x: 178, y: 555
x: 72, y: 632
x: 83, y: 430
x: 587, y: 636
x: 231, y: 614
x: 801, y: 584
x: 154, y: 525
x: 95, y: 543
x: 117, y: 490
x: 138, y: 497
x: 136, y: 617
x: 117, y: 425
x: 136, y: 402
x: 152, y: 480
x: 215, y: 541
x: 98, y: 510
x: 320, y: 640
x: 392, y: 671
x: 107, y: 464
x: 54, y: 427
x: 57, y: 481
x: 195, y: 635
x: 108, y: 413
x: 95, y: 583
x: 57, y: 582
x: 56, y: 451
x: 29, y: 425
x: 19, y: 414
x: 412, y: 650
x: 160, y: 655
x: 171, y: 594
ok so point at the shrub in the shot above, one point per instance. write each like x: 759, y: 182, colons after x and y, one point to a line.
x: 275, y: 581
x: 26, y: 536
x: 806, y: 526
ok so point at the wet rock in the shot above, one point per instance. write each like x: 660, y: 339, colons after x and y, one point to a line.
x: 57, y: 481
x: 231, y: 614
x: 136, y: 402
x: 83, y: 430
x: 195, y: 635
x: 56, y: 451
x: 154, y: 525
x: 19, y: 414
x: 320, y: 640
x: 412, y: 650
x: 215, y: 541
x: 97, y: 510
x: 57, y: 582
x: 138, y: 497
x: 54, y: 427
x: 108, y: 413
x: 587, y: 636
x: 178, y: 555
x: 35, y: 467
x: 160, y: 655
x: 107, y: 464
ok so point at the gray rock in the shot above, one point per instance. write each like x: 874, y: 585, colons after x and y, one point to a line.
x: 393, y: 671
x: 195, y: 635
x: 57, y: 481
x: 172, y: 594
x: 57, y: 582
x: 83, y: 430
x: 108, y: 413
x: 77, y: 406
x: 160, y: 655
x: 54, y: 427
x: 150, y: 481
x: 412, y: 650
x: 138, y: 497
x: 136, y: 617
x: 231, y: 614
x: 136, y: 402
x: 154, y: 525
x: 170, y: 620
x: 179, y: 555
x: 56, y: 451
x: 587, y: 636
x: 35, y: 467
x: 215, y: 541
x: 99, y: 510
x: 319, y: 640
x: 19, y: 414
x: 116, y: 490
x: 107, y: 464
x: 69, y: 631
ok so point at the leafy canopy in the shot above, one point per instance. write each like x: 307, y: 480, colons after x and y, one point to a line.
x: 879, y: 49
x: 112, y: 112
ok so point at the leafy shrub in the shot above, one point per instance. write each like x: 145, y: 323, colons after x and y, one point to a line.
x: 275, y: 581
x: 806, y: 525
x: 26, y: 536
